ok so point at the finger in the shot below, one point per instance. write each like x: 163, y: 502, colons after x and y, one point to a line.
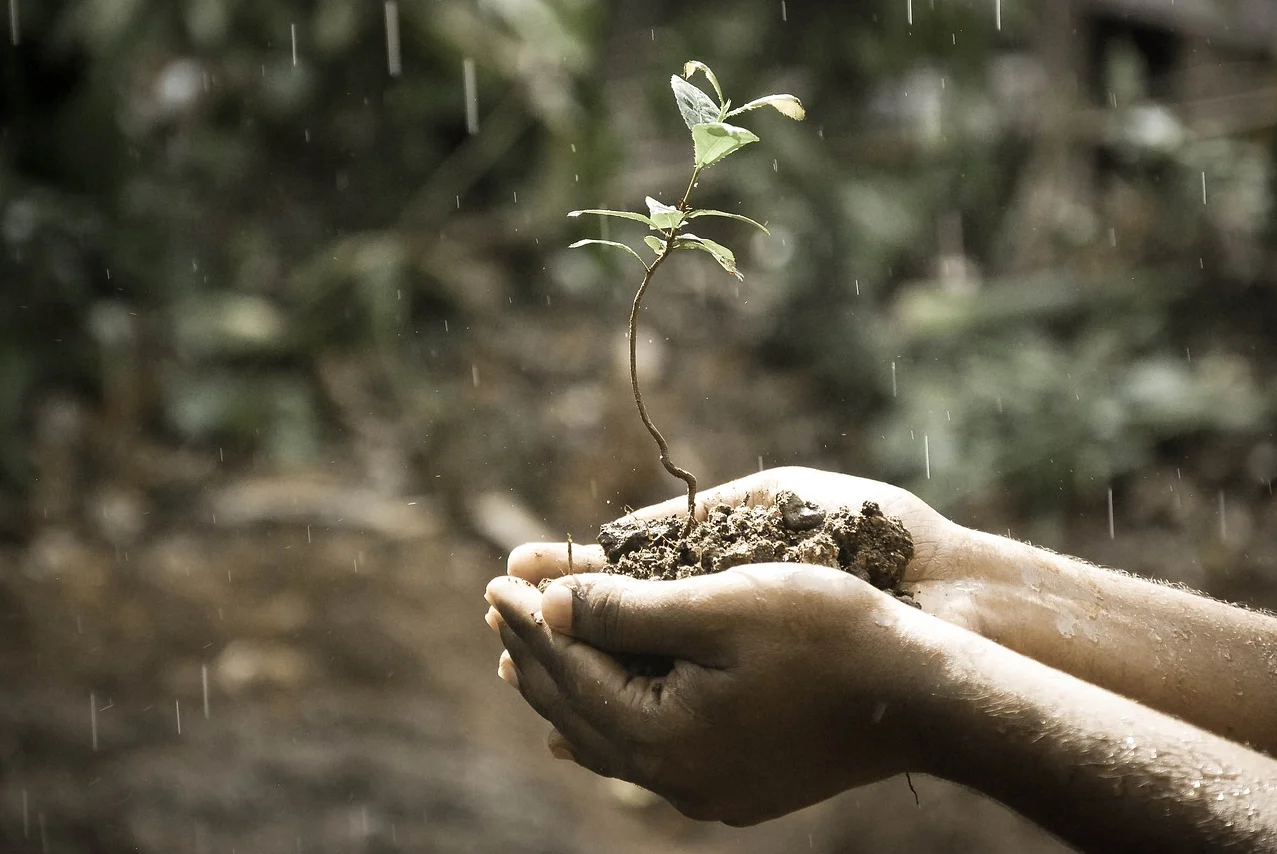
x: 534, y: 562
x: 588, y: 746
x: 757, y: 488
x: 598, y: 686
x: 683, y: 619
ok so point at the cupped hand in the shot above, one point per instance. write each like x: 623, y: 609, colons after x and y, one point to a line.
x: 942, y: 583
x: 790, y: 683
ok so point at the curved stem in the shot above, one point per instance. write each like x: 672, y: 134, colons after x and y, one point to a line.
x: 680, y: 473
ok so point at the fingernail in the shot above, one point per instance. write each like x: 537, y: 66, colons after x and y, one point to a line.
x: 493, y: 619
x: 505, y: 669
x: 556, y: 607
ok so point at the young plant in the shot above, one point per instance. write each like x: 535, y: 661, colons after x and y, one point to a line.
x: 713, y: 139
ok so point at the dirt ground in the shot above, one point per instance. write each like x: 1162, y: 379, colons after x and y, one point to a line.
x: 202, y: 654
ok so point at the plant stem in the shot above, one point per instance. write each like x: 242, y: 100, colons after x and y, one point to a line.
x: 680, y: 473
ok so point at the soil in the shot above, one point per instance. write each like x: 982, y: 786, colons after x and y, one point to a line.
x: 869, y: 545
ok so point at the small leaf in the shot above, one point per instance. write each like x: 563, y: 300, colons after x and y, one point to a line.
x: 695, y: 106
x: 721, y: 253
x: 786, y: 105
x: 637, y: 217
x: 590, y: 241
x: 694, y: 214
x: 663, y: 217
x: 657, y: 245
x: 714, y: 141
x: 692, y: 66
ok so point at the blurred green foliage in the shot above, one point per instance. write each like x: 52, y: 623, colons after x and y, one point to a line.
x: 200, y: 199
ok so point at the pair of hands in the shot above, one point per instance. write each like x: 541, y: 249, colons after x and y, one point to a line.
x: 790, y: 683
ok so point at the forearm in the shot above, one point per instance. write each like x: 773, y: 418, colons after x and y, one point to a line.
x: 1209, y: 663
x: 1100, y: 771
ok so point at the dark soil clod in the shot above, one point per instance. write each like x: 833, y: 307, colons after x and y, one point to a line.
x: 867, y: 544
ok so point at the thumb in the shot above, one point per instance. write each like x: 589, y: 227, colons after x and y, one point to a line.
x: 622, y: 614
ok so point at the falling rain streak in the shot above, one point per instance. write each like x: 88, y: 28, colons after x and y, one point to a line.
x: 13, y: 21
x: 1223, y: 519
x: 1111, y: 532
x: 292, y: 31
x: 394, y: 62
x: 926, y: 453
x: 472, y: 96
x: 204, y: 685
x: 93, y: 720
x: 1203, y: 188
x: 893, y: 379
x: 997, y: 13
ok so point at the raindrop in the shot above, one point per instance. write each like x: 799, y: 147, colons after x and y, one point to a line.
x: 474, y: 375
x: 784, y: 12
x: 857, y: 287
x: 1111, y: 532
x: 909, y: 11
x: 93, y: 720
x: 516, y: 197
x: 445, y: 326
x: 760, y: 462
x: 13, y: 21
x: 1223, y: 519
x: 306, y: 134
x: 1113, y: 237
x: 893, y: 379
x: 308, y: 535
x: 926, y: 453
x: 472, y: 96
x: 1203, y: 188
x: 394, y: 62
x: 292, y: 30
x: 177, y: 712
x: 997, y: 13
x: 204, y: 685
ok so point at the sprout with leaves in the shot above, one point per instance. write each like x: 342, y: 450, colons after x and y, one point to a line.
x: 712, y: 140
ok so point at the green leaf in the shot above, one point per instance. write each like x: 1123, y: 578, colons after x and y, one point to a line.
x: 721, y: 253
x: 663, y: 217
x: 695, y: 106
x: 714, y: 141
x: 694, y: 214
x: 692, y: 66
x: 590, y: 241
x: 657, y: 245
x: 786, y: 105
x: 637, y: 217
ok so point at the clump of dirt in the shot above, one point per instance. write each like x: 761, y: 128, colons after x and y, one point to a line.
x: 869, y: 544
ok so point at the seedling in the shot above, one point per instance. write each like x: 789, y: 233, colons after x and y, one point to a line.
x: 713, y: 139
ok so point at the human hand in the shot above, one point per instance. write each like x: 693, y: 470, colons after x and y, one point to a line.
x: 940, y: 582
x: 790, y: 683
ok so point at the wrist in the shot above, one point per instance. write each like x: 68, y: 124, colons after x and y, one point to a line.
x: 900, y: 678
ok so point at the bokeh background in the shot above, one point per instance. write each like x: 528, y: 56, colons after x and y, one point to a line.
x: 292, y: 351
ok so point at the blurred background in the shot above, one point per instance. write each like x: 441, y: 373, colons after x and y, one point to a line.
x: 292, y: 351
